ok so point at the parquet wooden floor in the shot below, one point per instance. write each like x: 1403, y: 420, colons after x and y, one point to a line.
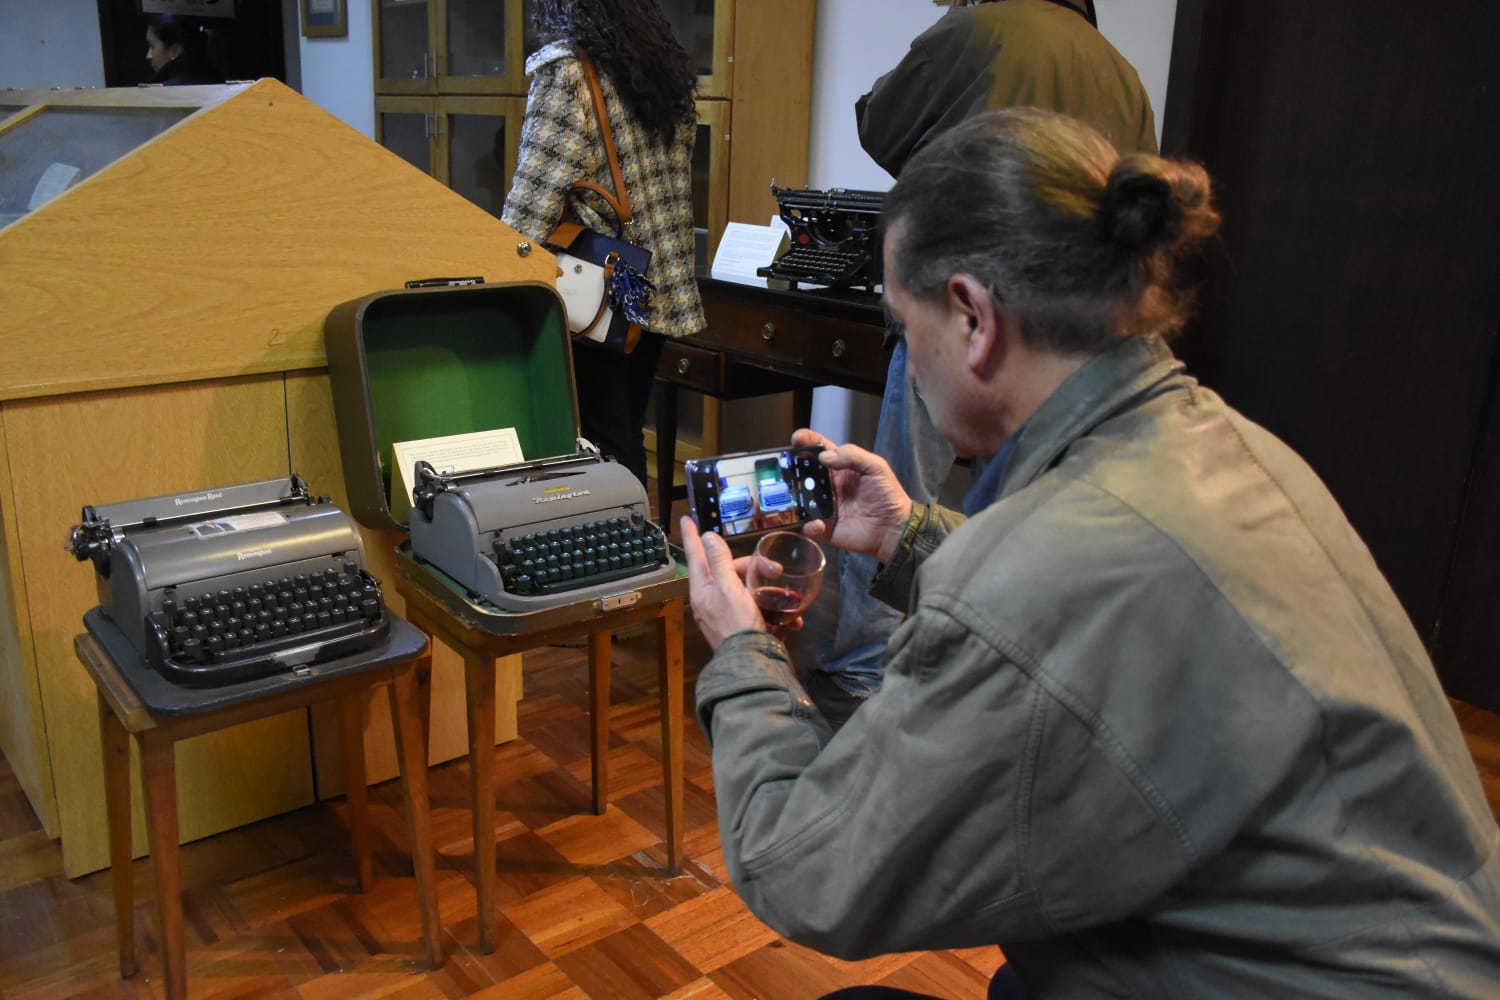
x: 587, y: 909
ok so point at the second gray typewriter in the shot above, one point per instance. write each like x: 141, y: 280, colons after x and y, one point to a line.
x: 234, y: 582
x: 534, y: 536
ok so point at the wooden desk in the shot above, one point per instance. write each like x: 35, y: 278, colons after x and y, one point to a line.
x: 128, y: 706
x: 480, y: 646
x: 761, y: 341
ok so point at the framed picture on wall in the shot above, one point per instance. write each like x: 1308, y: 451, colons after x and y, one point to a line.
x: 324, y: 18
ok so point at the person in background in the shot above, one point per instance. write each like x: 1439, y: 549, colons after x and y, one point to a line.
x: 180, y: 53
x: 1156, y: 725
x: 649, y: 82
x: 976, y: 58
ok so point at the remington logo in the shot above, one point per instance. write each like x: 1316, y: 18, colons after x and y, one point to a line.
x: 252, y: 554
x: 571, y: 495
x: 210, y: 495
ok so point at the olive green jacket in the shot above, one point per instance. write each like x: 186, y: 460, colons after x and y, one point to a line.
x: 1156, y: 725
x: 999, y: 55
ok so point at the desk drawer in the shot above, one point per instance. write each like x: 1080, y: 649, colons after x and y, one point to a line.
x: 766, y: 332
x: 692, y: 367
x: 837, y: 352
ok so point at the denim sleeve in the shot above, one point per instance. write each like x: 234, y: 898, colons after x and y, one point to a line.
x: 926, y: 528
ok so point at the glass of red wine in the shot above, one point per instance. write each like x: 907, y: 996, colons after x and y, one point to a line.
x: 784, y: 577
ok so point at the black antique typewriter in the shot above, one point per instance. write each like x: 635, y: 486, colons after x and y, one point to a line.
x: 834, y: 237
x: 234, y: 582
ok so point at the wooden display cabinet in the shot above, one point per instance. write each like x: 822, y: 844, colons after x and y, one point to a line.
x: 755, y: 69
x: 162, y: 322
x: 468, y: 143
x: 448, y: 47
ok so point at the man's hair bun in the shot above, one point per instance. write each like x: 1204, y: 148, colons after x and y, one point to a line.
x: 1138, y: 211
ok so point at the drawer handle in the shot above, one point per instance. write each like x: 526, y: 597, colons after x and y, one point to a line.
x: 768, y: 332
x: 682, y: 366
x: 840, y: 348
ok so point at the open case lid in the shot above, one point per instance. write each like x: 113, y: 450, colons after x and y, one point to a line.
x: 416, y: 363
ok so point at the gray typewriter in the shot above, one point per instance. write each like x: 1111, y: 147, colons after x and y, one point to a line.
x: 534, y: 536
x: 234, y: 582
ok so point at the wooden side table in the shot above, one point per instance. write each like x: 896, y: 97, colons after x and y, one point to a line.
x: 135, y: 701
x: 480, y: 647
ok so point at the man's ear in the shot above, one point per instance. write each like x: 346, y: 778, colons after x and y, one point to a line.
x: 971, y: 300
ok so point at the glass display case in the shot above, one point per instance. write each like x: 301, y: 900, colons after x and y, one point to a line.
x: 162, y: 323
x: 52, y: 140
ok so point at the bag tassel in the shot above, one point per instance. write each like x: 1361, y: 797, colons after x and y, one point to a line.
x: 631, y: 291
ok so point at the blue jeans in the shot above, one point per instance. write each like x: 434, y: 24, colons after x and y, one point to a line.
x: 906, y: 438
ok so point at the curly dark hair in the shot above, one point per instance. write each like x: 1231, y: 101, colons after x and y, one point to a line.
x: 633, y: 44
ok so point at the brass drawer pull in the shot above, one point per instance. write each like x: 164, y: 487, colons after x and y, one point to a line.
x: 682, y: 366
x: 840, y: 348
x: 768, y: 332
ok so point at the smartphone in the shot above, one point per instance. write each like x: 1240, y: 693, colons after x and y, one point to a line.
x: 757, y: 491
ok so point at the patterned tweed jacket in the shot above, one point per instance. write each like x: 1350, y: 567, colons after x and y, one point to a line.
x: 560, y: 143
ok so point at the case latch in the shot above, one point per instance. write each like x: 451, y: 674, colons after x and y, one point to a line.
x: 617, y: 602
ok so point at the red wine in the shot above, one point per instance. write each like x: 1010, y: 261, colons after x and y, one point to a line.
x: 778, y: 605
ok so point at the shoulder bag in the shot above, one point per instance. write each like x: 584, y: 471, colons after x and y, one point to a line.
x: 602, y: 277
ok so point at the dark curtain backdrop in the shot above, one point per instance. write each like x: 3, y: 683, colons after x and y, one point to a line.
x: 1353, y: 303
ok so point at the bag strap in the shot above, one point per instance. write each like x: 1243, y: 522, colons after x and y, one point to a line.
x: 619, y: 201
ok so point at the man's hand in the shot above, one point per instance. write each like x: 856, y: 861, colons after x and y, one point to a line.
x: 870, y: 507
x: 722, y: 605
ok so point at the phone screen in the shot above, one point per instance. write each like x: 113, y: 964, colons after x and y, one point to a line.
x: 753, y: 492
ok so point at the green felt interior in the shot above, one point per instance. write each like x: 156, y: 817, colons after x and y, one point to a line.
x: 478, y: 361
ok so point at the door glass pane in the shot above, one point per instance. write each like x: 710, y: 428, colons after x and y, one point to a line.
x: 403, y: 39
x: 476, y: 38
x: 693, y: 20
x: 702, y: 177
x: 476, y: 160
x: 56, y: 148
x: 405, y: 134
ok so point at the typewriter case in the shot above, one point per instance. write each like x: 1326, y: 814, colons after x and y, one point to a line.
x: 426, y: 362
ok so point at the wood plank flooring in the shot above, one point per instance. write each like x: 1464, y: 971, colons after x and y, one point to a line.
x: 587, y: 909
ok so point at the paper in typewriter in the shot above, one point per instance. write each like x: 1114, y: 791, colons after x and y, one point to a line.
x: 452, y: 453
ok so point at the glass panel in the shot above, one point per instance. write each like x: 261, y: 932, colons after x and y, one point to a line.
x: 403, y: 39
x: 703, y: 179
x: 405, y: 134
x: 58, y: 147
x: 476, y: 160
x: 691, y: 20
x: 476, y: 38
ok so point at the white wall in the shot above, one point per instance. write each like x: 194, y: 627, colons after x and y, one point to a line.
x: 857, y: 41
x: 338, y: 74
x: 51, y: 44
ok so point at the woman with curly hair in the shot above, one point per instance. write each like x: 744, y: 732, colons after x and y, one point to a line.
x: 648, y: 80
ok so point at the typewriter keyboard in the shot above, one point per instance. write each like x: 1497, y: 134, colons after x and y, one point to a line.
x: 225, y: 635
x: 571, y: 558
x: 816, y: 265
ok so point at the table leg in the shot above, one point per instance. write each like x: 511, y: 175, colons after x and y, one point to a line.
x: 669, y: 646
x: 666, y: 449
x: 116, y: 743
x: 407, y: 703
x: 159, y: 772
x: 802, y: 400
x: 599, y: 649
x: 352, y: 726
x: 479, y: 685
